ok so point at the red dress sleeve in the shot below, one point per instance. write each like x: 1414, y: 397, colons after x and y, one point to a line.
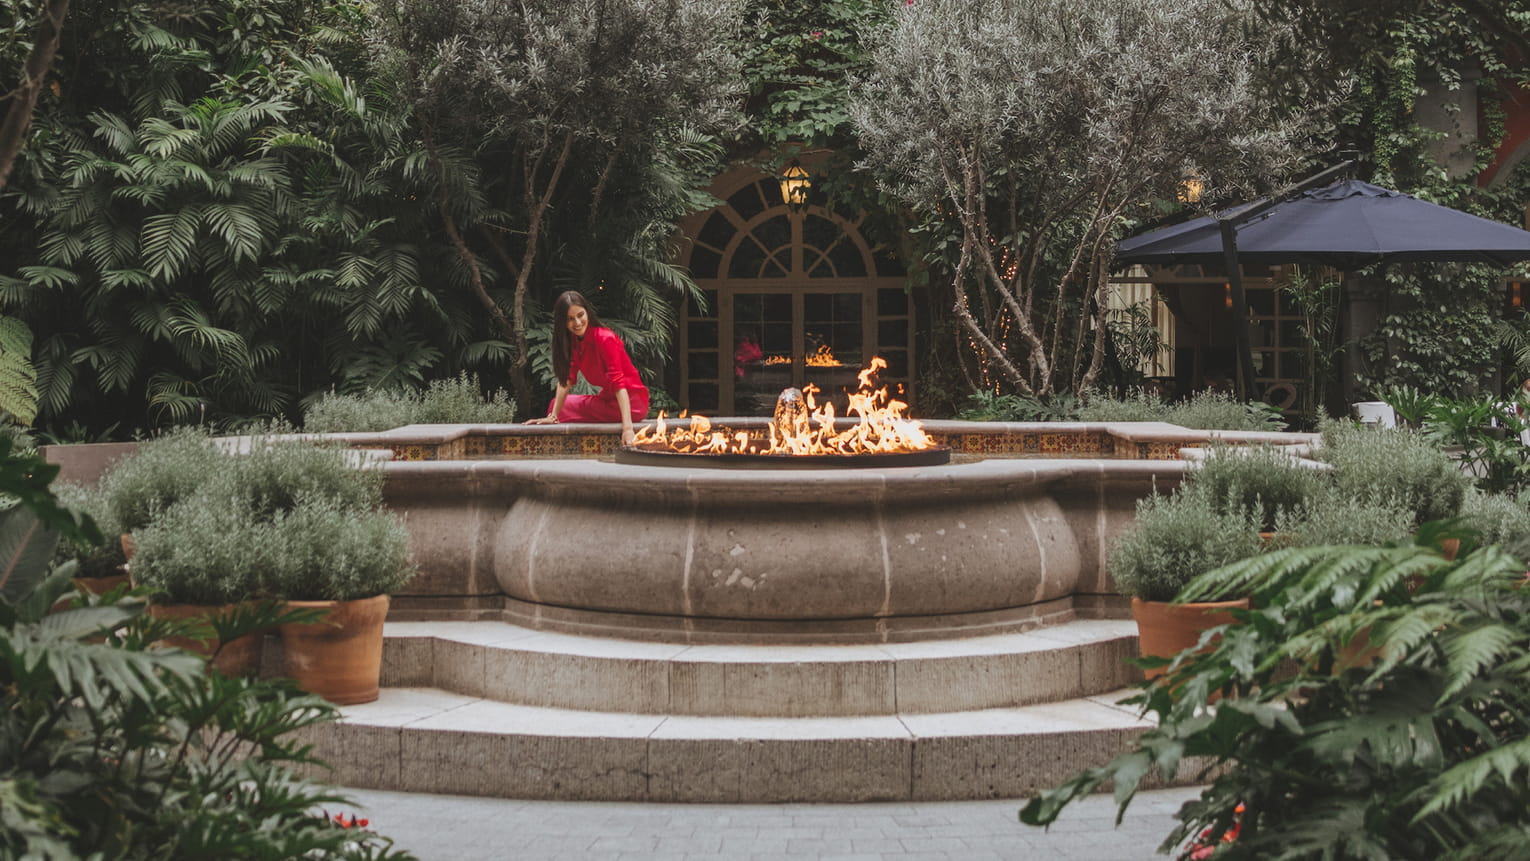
x: 620, y: 372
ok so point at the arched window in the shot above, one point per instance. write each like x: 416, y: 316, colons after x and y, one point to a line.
x: 794, y: 295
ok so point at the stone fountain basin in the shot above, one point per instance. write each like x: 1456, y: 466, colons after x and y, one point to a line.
x: 615, y: 547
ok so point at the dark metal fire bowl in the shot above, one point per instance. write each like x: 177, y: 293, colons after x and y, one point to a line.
x: 639, y: 456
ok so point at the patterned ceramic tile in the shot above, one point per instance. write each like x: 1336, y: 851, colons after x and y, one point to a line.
x: 475, y: 445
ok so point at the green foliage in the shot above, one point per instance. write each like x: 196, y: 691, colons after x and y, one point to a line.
x: 1258, y: 481
x: 159, y: 474
x: 18, y: 379
x: 283, y: 518
x: 94, y: 558
x: 1332, y: 516
x: 1024, y: 138
x: 1418, y: 753
x: 986, y: 406
x: 1398, y: 466
x: 1178, y: 537
x: 110, y: 750
x: 1500, y: 520
x: 454, y: 401
x: 1204, y: 410
x: 798, y: 65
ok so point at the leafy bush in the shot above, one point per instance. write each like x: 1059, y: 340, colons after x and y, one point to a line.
x: 1309, y: 754
x: 1332, y: 517
x: 160, y: 473
x: 285, y: 519
x: 1260, y: 480
x: 1395, y: 465
x: 95, y: 559
x: 451, y: 401
x: 1177, y: 537
x: 1205, y: 410
x: 109, y: 750
x: 323, y: 551
x: 1498, y: 519
x: 1210, y: 410
x: 988, y: 407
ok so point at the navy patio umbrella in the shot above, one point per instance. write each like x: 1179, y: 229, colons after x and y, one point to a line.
x: 1347, y: 224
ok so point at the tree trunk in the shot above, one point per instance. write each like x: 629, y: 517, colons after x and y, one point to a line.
x: 18, y: 117
x: 519, y: 380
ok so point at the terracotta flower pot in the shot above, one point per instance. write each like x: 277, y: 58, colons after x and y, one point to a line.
x: 339, y: 657
x: 238, y: 657
x: 1165, y: 630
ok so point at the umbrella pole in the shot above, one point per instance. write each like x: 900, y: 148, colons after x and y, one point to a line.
x: 1239, y: 309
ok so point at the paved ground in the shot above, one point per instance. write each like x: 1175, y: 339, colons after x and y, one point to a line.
x: 452, y: 828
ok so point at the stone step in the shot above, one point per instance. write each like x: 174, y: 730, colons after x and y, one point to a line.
x: 426, y: 740
x: 512, y: 664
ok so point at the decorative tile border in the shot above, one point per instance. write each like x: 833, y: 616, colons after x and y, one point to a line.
x: 1080, y: 443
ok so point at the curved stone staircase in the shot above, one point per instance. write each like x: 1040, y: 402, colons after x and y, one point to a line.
x: 491, y: 708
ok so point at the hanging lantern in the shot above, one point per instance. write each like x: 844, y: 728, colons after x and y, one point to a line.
x: 795, y: 183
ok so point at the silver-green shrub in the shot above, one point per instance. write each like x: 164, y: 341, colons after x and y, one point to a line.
x: 160, y: 473
x: 1498, y: 519
x: 1332, y: 518
x: 1395, y: 465
x: 457, y: 400
x: 1260, y: 481
x: 1205, y: 410
x: 1176, y: 538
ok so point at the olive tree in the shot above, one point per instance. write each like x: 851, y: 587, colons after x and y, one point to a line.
x: 1033, y: 132
x: 536, y: 110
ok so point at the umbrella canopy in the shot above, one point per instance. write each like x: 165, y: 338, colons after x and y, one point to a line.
x: 1346, y: 225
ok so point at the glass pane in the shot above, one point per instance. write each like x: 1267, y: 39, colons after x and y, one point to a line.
x: 897, y: 365
x: 776, y: 267
x: 717, y: 231
x: 746, y: 202
x: 821, y: 233
x: 771, y: 190
x: 704, y: 262
x: 711, y: 304
x: 848, y: 260
x: 892, y: 333
x: 1291, y: 333
x: 746, y: 260
x: 701, y: 334
x: 887, y: 265
x: 817, y: 264
x: 1261, y: 302
x: 892, y: 302
x: 702, y: 397
x: 777, y: 307
x: 832, y: 327
x: 702, y: 365
x: 774, y: 234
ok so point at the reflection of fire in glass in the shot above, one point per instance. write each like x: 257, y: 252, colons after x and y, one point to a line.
x: 823, y: 358
x: 882, y: 427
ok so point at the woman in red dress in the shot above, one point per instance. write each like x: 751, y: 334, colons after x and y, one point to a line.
x: 581, y: 344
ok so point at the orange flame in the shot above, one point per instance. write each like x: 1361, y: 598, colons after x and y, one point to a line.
x: 822, y: 358
x: 882, y: 428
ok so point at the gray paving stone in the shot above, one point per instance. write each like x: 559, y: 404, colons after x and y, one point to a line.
x: 454, y: 828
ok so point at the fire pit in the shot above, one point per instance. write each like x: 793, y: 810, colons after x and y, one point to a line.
x: 802, y: 435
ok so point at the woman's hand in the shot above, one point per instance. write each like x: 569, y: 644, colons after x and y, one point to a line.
x: 544, y: 420
x: 629, y: 436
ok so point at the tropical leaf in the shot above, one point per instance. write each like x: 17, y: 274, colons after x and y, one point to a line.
x: 18, y: 378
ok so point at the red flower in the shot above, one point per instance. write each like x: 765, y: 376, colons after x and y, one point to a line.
x: 352, y: 823
x: 816, y: 34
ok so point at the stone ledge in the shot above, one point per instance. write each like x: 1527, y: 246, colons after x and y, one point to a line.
x: 417, y: 740
x: 512, y: 664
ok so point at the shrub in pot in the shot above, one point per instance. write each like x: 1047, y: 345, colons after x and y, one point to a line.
x: 201, y: 559
x: 1175, y: 539
x: 1394, y: 465
x: 100, y: 565
x: 1260, y: 480
x: 159, y: 474
x: 345, y: 562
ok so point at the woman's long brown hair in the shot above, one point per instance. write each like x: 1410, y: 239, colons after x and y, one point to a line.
x: 562, y: 341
